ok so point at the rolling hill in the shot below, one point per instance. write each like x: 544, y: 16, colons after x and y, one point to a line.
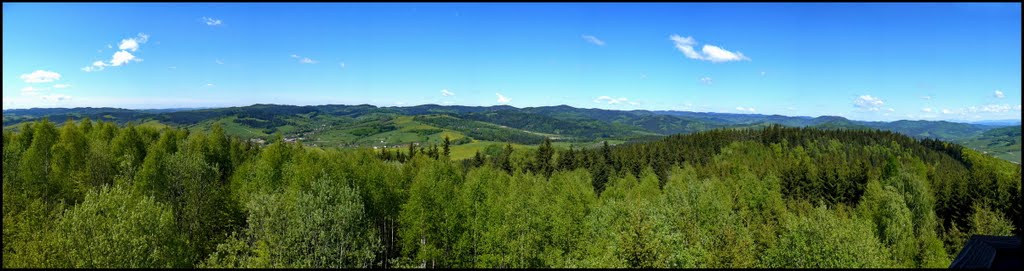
x: 1000, y: 142
x: 389, y: 127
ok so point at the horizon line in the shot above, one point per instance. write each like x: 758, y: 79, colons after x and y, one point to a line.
x: 506, y: 105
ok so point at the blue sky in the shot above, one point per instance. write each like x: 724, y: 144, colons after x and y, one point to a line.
x: 860, y: 61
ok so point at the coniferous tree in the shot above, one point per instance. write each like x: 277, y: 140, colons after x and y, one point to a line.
x: 447, y: 144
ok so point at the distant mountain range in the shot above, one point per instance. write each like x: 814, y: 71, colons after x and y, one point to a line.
x: 997, y: 122
x: 368, y: 125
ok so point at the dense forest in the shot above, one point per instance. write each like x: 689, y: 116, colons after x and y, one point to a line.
x: 93, y: 194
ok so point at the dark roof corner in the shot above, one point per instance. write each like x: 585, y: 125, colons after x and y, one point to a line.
x: 984, y: 251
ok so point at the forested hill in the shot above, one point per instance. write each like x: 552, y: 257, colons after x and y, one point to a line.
x: 541, y: 119
x: 93, y: 194
x: 372, y: 126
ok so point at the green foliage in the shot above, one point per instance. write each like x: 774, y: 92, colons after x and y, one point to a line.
x: 114, y: 227
x: 95, y: 195
x: 824, y: 238
x: 430, y: 222
x: 894, y: 226
x: 985, y: 221
x: 322, y: 227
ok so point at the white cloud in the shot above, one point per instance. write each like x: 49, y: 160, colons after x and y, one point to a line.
x: 218, y: 62
x: 593, y: 40
x: 868, y: 102
x: 999, y: 94
x: 610, y: 100
x: 685, y: 45
x: 502, y: 98
x: 764, y: 73
x: 96, y: 66
x: 926, y: 109
x: 446, y: 93
x: 709, y: 52
x: 55, y: 97
x: 132, y: 44
x: 890, y: 110
x: 304, y: 60
x: 926, y: 97
x: 40, y: 76
x: 746, y: 109
x: 990, y: 108
x: 707, y: 80
x: 61, y: 86
x: 716, y: 54
x: 129, y: 44
x: 123, y: 56
x: 211, y: 21
x: 208, y: 85
x: 342, y: 64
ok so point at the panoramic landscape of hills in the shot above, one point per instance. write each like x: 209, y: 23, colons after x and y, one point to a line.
x: 512, y: 135
x: 474, y: 128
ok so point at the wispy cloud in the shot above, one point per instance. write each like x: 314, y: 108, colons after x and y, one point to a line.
x: 763, y: 73
x: 926, y: 97
x: 55, y: 97
x: 446, y: 93
x: 707, y: 80
x: 988, y: 108
x: 59, y: 86
x: 926, y: 109
x: 709, y: 52
x: 218, y: 62
x: 211, y: 21
x: 304, y: 60
x: 96, y: 66
x: 502, y: 98
x: 999, y: 94
x: 593, y: 40
x: 746, y: 109
x: 342, y: 64
x: 123, y: 56
x: 610, y: 100
x: 31, y: 91
x: 868, y: 102
x: 40, y: 76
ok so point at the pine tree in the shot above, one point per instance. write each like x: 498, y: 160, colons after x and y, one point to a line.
x: 447, y: 144
x: 543, y: 161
